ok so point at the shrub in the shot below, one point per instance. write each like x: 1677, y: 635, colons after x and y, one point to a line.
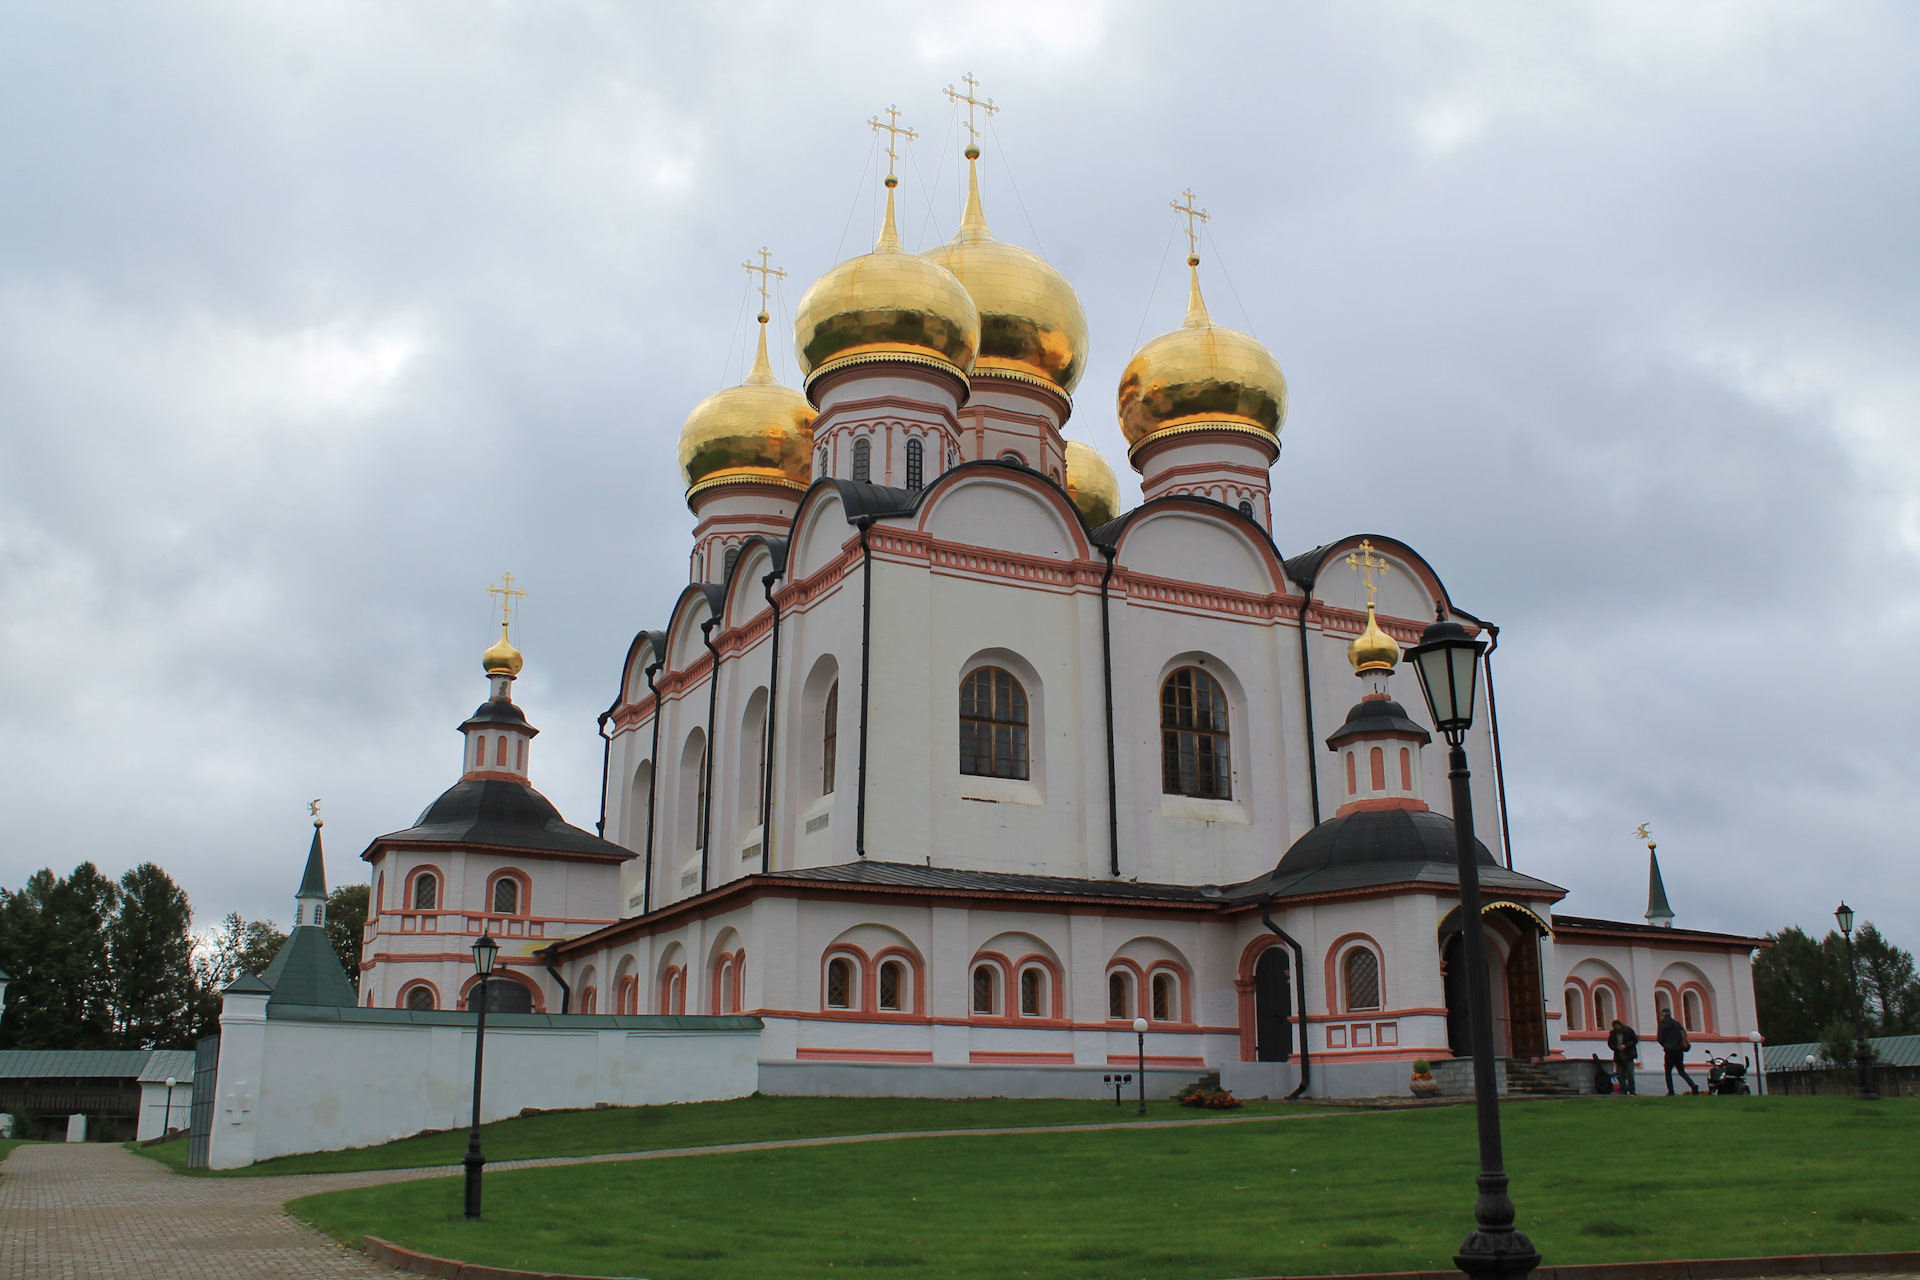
x: 1212, y: 1099
x: 1421, y: 1067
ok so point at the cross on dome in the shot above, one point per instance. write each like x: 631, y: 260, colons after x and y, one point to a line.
x: 1366, y: 562
x: 765, y: 270
x: 1193, y: 227
x: 984, y: 104
x: 894, y: 130
x: 508, y: 594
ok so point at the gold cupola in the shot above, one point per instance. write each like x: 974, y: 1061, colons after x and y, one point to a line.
x: 502, y: 659
x: 887, y: 305
x: 1091, y: 484
x: 1032, y: 326
x: 1201, y: 376
x: 757, y: 432
x: 1373, y: 649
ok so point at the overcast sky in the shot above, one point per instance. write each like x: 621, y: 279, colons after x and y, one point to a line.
x: 316, y: 317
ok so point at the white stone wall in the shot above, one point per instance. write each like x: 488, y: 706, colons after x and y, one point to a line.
x: 154, y: 1112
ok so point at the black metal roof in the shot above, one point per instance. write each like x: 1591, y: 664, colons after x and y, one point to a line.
x: 499, y: 711
x: 909, y: 875
x: 500, y: 813
x: 1376, y: 717
x: 1374, y: 847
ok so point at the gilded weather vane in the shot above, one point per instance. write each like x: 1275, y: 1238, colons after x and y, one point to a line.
x: 1642, y: 832
x: 766, y: 271
x: 984, y: 104
x: 1365, y: 561
x: 1194, y: 218
x: 313, y: 808
x: 508, y: 594
x: 895, y: 131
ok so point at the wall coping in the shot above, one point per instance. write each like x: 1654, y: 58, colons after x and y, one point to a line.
x: 709, y: 1023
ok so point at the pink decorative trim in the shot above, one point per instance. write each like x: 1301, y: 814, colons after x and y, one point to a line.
x: 862, y: 1055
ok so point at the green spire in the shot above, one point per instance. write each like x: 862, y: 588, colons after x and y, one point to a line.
x: 306, y: 971
x: 1658, y: 912
x: 314, y: 883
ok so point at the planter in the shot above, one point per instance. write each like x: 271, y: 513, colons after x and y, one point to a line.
x: 1425, y: 1087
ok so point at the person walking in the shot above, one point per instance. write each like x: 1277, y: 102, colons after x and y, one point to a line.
x: 1624, y: 1041
x: 1674, y: 1045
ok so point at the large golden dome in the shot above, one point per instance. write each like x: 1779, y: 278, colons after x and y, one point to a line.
x: 1091, y: 484
x: 1202, y: 375
x: 888, y: 303
x: 758, y: 430
x: 1031, y: 321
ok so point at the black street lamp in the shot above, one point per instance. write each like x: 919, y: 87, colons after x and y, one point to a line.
x: 166, y: 1126
x: 1140, y: 1035
x: 1862, y: 1054
x: 1447, y: 660
x: 484, y: 952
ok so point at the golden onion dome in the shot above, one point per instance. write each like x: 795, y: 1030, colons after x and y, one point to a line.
x: 502, y: 659
x: 1091, y: 484
x: 1202, y: 375
x: 1031, y: 321
x: 757, y: 431
x: 888, y: 304
x: 1373, y: 649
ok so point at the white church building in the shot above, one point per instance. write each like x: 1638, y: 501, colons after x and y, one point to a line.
x: 946, y: 769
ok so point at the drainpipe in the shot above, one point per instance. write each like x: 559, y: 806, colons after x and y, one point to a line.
x: 1106, y: 654
x: 551, y: 955
x: 1300, y: 994
x: 706, y: 765
x: 606, y: 760
x: 864, y: 523
x: 653, y: 793
x: 1306, y: 696
x: 1493, y: 727
x: 773, y: 703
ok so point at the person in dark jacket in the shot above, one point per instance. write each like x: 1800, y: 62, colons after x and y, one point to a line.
x: 1674, y: 1043
x: 1624, y: 1041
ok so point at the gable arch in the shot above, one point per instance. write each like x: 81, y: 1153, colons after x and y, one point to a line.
x: 745, y: 599
x: 697, y: 603
x: 1004, y: 508
x: 1188, y: 540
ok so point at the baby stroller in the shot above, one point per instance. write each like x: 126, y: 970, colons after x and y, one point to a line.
x: 1727, y: 1077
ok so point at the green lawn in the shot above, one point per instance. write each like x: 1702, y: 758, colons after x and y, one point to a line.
x: 8, y: 1144
x: 1596, y: 1180
x: 704, y: 1124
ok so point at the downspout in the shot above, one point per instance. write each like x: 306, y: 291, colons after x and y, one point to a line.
x: 653, y: 794
x: 706, y: 765
x: 1300, y: 994
x: 1306, y: 696
x: 1106, y: 655
x: 606, y: 761
x: 551, y: 955
x: 1493, y: 726
x: 773, y: 703
x: 864, y: 523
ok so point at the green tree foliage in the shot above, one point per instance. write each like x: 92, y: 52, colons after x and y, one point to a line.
x: 150, y: 946
x: 241, y: 946
x: 346, y: 922
x: 1889, y: 989
x: 1800, y: 986
x: 54, y: 941
x: 1837, y: 1045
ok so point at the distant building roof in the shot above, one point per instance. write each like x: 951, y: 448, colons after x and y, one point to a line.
x: 1652, y: 932
x: 1888, y: 1051
x: 114, y: 1064
x: 162, y: 1063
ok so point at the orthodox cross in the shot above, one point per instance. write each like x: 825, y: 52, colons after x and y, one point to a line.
x: 1193, y: 227
x: 508, y: 594
x: 895, y: 130
x: 985, y: 104
x: 1365, y: 561
x: 765, y: 270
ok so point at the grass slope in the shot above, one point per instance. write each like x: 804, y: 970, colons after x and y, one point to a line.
x: 1597, y: 1180
x: 701, y: 1124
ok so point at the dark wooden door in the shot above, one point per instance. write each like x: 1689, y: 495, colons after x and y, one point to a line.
x: 1459, y: 1023
x: 1526, y: 1012
x: 1273, y: 1006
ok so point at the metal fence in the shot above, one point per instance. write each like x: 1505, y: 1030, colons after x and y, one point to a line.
x: 206, y: 1062
x: 1893, y: 1082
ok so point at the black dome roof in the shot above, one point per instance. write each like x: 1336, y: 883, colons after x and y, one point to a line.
x: 499, y: 711
x: 1377, y: 718
x: 1378, y: 836
x: 512, y: 815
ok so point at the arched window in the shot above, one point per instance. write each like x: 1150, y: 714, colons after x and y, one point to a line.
x: 676, y: 992
x: 863, y: 459
x: 821, y: 464
x: 1119, y: 995
x: 1360, y: 975
x: 1193, y: 736
x: 993, y: 724
x: 1246, y: 508
x: 986, y: 979
x: 1570, y: 1000
x: 426, y: 892
x: 506, y: 896
x: 480, y: 751
x: 893, y: 986
x: 723, y: 988
x: 839, y: 983
x: 1377, y: 761
x: 1014, y: 458
x: 520, y: 754
x: 829, y: 738
x: 500, y: 750
x: 916, y: 463
x: 1406, y: 769
x: 1033, y: 999
x: 1603, y: 1013
x: 588, y: 999
x: 1353, y: 779
x: 726, y: 570
x: 1166, y: 997
x: 420, y: 999
x: 700, y: 804
x: 1691, y: 1013
x: 1662, y: 1003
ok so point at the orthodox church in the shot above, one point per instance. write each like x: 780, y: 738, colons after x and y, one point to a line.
x: 948, y: 769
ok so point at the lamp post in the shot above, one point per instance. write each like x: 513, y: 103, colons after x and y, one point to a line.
x: 1759, y: 1058
x: 5, y: 978
x: 1140, y: 1036
x: 484, y: 952
x: 166, y: 1126
x: 1447, y: 660
x: 1862, y: 1055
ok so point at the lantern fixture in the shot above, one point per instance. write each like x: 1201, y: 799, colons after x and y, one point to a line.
x: 1447, y: 660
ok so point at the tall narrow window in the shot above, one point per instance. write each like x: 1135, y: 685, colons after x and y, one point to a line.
x: 1361, y: 970
x: 1353, y: 779
x: 1377, y: 760
x: 829, y: 738
x: 480, y: 751
x: 983, y: 985
x: 820, y: 461
x: 1165, y: 997
x: 733, y: 555
x: 520, y: 754
x: 863, y: 459
x: 426, y: 893
x: 1246, y: 508
x: 993, y: 724
x: 1193, y: 736
x: 506, y: 896
x: 1032, y: 1001
x: 1406, y: 769
x: 916, y: 466
x: 839, y: 982
x: 892, y: 975
x: 1602, y: 1008
x: 500, y: 750
x: 700, y: 803
x: 1570, y: 999
x: 1118, y: 1005
x: 1690, y: 1011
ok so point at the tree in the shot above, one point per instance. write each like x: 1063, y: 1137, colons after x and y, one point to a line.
x: 53, y: 937
x: 150, y: 945
x: 346, y: 924
x: 1801, y: 989
x: 241, y: 946
x: 1889, y: 989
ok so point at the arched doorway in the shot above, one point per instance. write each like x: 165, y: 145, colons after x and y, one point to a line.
x: 1513, y: 934
x: 504, y: 995
x: 1273, y: 1006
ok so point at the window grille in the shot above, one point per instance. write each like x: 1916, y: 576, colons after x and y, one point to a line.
x: 829, y: 738
x: 983, y: 982
x: 1246, y: 508
x: 1118, y: 1006
x: 1363, y: 980
x: 863, y: 459
x: 1031, y: 1002
x: 733, y: 555
x: 506, y: 896
x: 420, y: 999
x: 890, y: 985
x: 916, y: 467
x: 993, y: 724
x: 839, y: 982
x: 1193, y: 736
x: 1164, y: 997
x: 426, y: 893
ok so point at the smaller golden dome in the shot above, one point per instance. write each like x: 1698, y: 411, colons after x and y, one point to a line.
x: 1373, y: 649
x: 887, y: 303
x: 502, y: 659
x: 1202, y: 375
x: 758, y: 430
x: 1031, y: 321
x: 1091, y: 484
